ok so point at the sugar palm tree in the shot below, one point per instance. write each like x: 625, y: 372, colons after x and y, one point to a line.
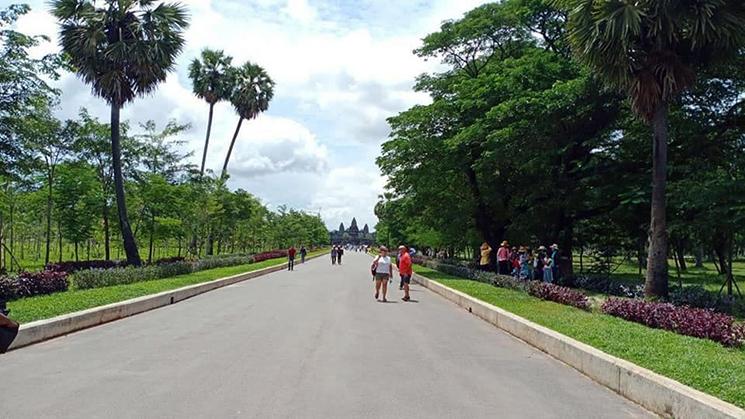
x: 123, y: 49
x: 252, y: 91
x: 212, y: 81
x: 653, y: 51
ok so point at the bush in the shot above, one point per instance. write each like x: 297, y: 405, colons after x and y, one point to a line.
x: 559, y: 294
x: 212, y: 263
x: 72, y: 266
x: 463, y: 271
x: 603, y: 285
x: 696, y: 322
x: 96, y: 278
x: 260, y: 257
x: 28, y: 284
x: 699, y: 297
x: 163, y: 261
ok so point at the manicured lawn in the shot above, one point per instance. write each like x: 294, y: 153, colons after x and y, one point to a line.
x: 699, y: 363
x: 705, y: 276
x: 46, y: 306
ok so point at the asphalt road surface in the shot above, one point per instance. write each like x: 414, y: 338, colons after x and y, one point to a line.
x: 312, y: 343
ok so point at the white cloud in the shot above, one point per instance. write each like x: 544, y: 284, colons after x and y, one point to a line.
x: 341, y: 69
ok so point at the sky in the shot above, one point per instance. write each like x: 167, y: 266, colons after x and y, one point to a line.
x: 341, y: 68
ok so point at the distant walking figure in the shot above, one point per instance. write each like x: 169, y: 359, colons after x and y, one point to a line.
x: 339, y: 254
x: 382, y: 270
x: 291, y: 258
x: 333, y: 255
x: 404, y: 269
x: 303, y: 253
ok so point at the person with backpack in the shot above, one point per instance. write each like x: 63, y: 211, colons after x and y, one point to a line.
x: 382, y: 271
x: 303, y: 254
x: 333, y: 255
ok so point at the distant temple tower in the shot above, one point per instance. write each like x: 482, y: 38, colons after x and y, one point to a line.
x: 352, y: 235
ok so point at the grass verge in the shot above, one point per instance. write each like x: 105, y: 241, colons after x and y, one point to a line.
x: 699, y: 363
x: 46, y: 306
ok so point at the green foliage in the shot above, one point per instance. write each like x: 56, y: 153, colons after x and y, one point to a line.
x: 77, y: 201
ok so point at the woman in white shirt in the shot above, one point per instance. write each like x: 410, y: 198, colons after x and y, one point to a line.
x: 382, y: 270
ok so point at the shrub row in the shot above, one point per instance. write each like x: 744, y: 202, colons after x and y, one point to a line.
x: 607, y: 286
x: 28, y: 284
x: 503, y: 281
x: 696, y: 322
x: 96, y: 278
x: 73, y: 266
x: 559, y: 294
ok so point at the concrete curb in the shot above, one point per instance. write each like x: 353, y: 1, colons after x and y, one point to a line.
x: 41, y: 330
x: 659, y: 394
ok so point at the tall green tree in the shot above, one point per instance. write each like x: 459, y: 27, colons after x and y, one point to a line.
x: 77, y: 202
x: 212, y: 81
x: 252, y: 92
x: 653, y: 50
x: 123, y: 49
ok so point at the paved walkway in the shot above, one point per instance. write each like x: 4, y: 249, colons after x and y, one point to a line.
x: 311, y: 343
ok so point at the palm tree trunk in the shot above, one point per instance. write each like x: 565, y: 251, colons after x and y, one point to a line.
x: 130, y: 246
x: 207, y: 139
x: 656, y: 284
x: 230, y: 150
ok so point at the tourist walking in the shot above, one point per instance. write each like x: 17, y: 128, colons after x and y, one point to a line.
x: 339, y: 254
x: 333, y: 255
x: 503, y: 258
x: 405, y: 270
x: 382, y: 271
x: 291, y: 258
x: 303, y: 254
x: 485, y: 256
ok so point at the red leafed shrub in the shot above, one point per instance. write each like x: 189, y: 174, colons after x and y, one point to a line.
x: 562, y: 295
x: 697, y: 322
x: 72, y: 266
x: 28, y: 284
x: 273, y: 254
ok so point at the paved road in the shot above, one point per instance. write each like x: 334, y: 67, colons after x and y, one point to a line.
x: 311, y: 343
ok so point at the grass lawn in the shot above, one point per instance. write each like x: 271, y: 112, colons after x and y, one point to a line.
x: 45, y: 306
x: 699, y: 363
x: 705, y: 276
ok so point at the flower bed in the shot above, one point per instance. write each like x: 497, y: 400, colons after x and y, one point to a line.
x: 28, y: 284
x: 558, y: 294
x: 73, y: 266
x: 684, y: 320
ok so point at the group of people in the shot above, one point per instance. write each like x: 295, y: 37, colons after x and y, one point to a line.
x: 337, y: 252
x: 291, y: 253
x: 522, y: 263
x: 382, y: 272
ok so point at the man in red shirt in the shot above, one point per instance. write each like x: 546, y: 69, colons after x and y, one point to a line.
x: 291, y: 258
x: 404, y: 269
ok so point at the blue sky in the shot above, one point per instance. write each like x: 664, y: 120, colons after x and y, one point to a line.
x: 341, y: 67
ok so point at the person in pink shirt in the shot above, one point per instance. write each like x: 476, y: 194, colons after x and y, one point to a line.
x: 503, y: 258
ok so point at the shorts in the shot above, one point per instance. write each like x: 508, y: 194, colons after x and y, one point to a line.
x: 380, y: 276
x: 406, y: 279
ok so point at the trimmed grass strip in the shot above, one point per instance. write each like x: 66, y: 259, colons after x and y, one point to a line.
x: 699, y: 363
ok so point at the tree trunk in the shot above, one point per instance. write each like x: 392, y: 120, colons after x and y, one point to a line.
x: 656, y: 284
x: 230, y: 149
x: 130, y: 245
x: 106, y: 232
x: 59, y: 239
x: 700, y: 256
x: 151, y: 239
x: 207, y: 139
x: 50, y: 179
